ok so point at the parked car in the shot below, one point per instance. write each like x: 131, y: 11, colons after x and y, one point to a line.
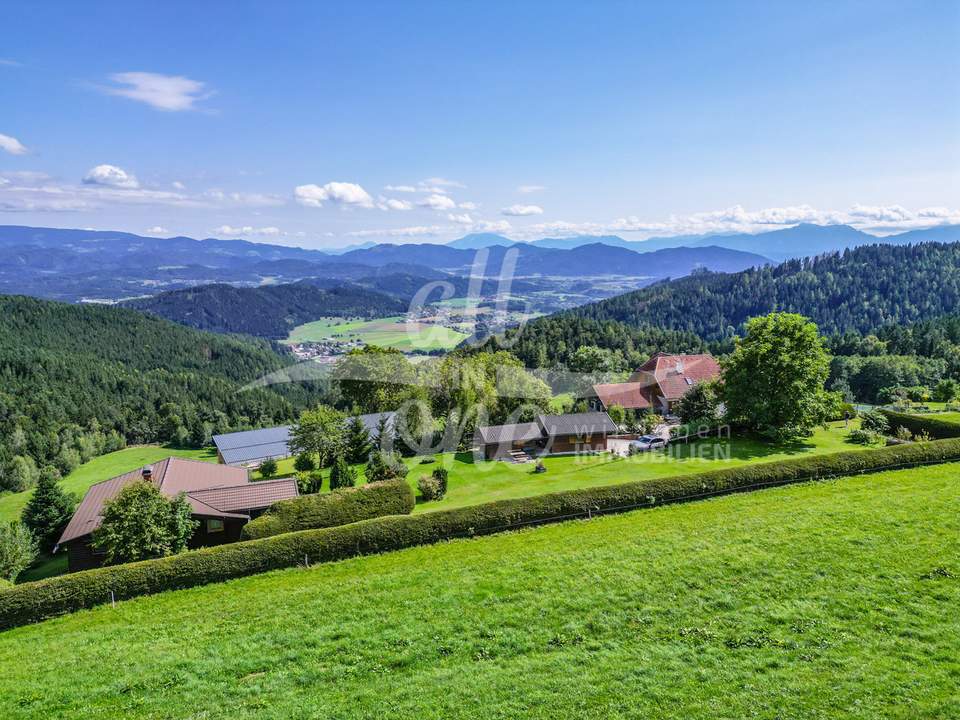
x: 647, y: 443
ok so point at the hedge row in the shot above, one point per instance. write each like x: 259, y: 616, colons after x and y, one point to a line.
x: 932, y: 425
x: 31, y: 602
x: 340, y: 507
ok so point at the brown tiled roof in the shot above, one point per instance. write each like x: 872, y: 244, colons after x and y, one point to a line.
x: 200, y: 481
x: 629, y: 395
x: 252, y: 496
x: 675, y: 374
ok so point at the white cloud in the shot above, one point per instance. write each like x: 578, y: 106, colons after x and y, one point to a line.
x: 157, y: 230
x: 437, y: 202
x: 341, y: 193
x: 527, y: 189
x: 415, y: 231
x: 248, y: 230
x: 468, y: 206
x: 522, y: 210
x: 177, y: 185
x: 12, y: 145
x: 394, y: 204
x: 170, y: 93
x: 497, y: 226
x: 111, y: 176
x: 7, y: 62
x: 401, y: 188
x: 463, y: 219
x: 442, y: 182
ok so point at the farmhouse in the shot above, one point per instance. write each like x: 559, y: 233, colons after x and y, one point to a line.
x: 550, y: 434
x: 249, y: 448
x: 658, y: 383
x: 222, y: 497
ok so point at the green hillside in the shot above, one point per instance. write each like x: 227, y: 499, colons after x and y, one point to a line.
x: 818, y: 600
x: 78, y: 381
x: 860, y: 289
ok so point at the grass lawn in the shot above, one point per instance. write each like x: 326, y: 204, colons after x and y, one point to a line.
x: 102, y: 468
x: 829, y: 599
x: 472, y: 483
x: 387, y: 332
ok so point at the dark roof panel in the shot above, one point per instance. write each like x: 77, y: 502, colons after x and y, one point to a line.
x: 513, y: 432
x: 586, y: 423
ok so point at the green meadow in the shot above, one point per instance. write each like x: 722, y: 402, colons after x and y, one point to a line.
x: 393, y: 332
x: 819, y: 600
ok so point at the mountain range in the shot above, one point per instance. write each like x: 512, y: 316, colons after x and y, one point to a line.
x: 802, y: 240
x: 75, y: 265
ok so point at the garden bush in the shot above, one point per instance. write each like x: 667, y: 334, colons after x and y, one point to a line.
x: 934, y: 427
x: 339, y: 507
x: 429, y: 488
x: 34, y: 601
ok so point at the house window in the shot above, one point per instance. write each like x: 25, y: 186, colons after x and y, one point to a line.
x: 214, y: 525
x: 689, y: 381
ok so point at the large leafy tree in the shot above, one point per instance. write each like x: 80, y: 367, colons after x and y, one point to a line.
x: 774, y: 379
x: 141, y: 522
x: 49, y: 509
x: 374, y: 379
x: 320, y: 433
x: 700, y: 403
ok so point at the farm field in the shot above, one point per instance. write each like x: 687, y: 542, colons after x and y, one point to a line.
x: 794, y: 602
x: 392, y: 332
x: 100, y: 468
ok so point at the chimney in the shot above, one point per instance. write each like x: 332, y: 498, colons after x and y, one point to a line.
x: 679, y: 367
x: 147, y: 473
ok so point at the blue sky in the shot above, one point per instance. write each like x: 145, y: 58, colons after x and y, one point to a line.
x: 330, y: 124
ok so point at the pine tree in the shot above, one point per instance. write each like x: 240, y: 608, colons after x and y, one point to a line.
x: 48, y: 510
x: 358, y: 441
x: 341, y: 475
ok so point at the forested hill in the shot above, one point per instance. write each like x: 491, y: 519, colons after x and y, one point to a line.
x: 859, y: 289
x: 76, y: 381
x: 269, y: 311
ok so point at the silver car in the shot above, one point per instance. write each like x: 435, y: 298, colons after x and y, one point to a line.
x: 647, y: 443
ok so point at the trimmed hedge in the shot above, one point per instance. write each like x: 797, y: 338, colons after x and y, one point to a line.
x: 935, y: 427
x: 339, y: 507
x: 32, y: 602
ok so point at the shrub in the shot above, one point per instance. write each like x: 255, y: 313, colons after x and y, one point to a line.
x: 339, y: 507
x: 309, y: 482
x: 442, y: 476
x: 268, y: 468
x: 875, y: 421
x: 429, y: 488
x: 34, y: 601
x: 903, y: 434
x: 385, y: 466
x: 342, y: 475
x: 864, y: 437
x: 304, y: 463
x: 934, y: 427
x: 18, y: 549
x: 433, y: 486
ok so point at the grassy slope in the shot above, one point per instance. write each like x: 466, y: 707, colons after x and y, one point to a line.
x: 102, y: 468
x: 386, y: 332
x: 811, y: 601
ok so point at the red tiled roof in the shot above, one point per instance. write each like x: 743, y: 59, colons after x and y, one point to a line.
x: 668, y: 376
x: 675, y: 374
x: 629, y: 395
x: 212, y: 491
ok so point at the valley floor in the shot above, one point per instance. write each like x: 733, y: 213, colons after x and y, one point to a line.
x: 830, y: 599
